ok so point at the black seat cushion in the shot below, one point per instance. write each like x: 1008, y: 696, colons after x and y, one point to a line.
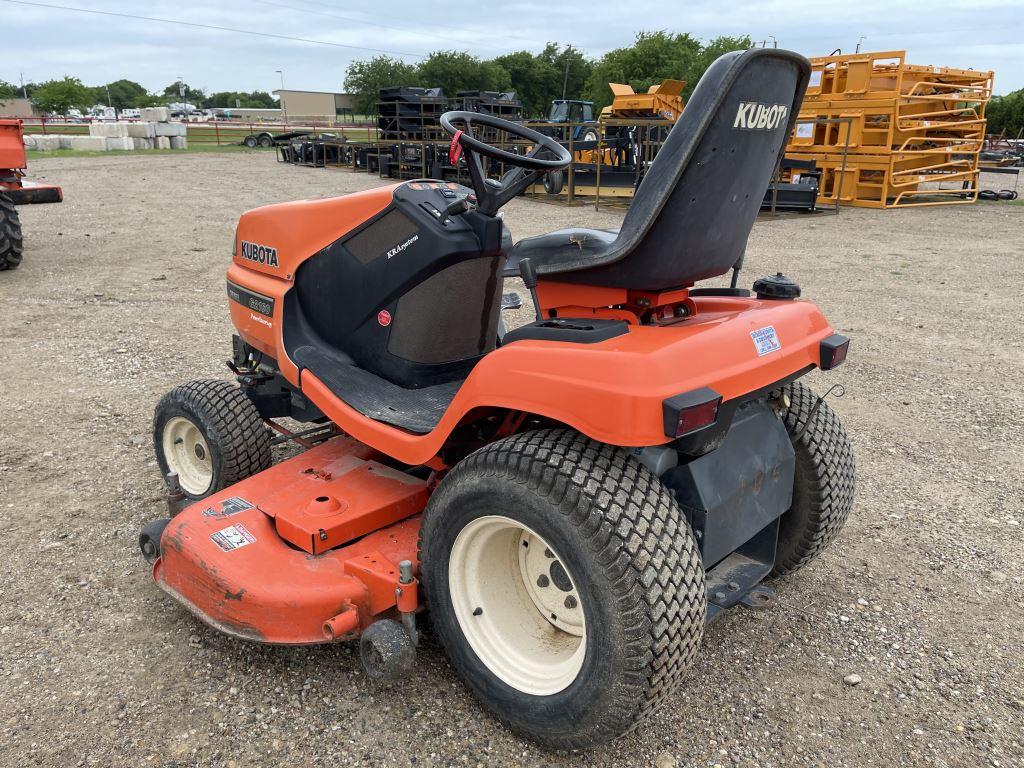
x: 555, y: 248
x: 692, y: 214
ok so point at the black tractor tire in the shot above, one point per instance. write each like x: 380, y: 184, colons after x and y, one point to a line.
x: 824, y: 482
x: 11, y: 245
x: 237, y: 439
x: 554, y: 182
x: 620, y: 534
x: 265, y: 141
x: 250, y: 142
x: 588, y: 134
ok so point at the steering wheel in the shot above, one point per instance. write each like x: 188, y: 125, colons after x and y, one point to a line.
x: 547, y: 155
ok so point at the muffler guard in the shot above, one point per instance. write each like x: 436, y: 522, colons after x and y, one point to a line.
x: 237, y: 561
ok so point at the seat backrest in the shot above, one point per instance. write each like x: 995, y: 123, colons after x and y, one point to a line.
x: 692, y: 214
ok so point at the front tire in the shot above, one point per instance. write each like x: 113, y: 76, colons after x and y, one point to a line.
x: 565, y: 585
x: 823, y: 484
x: 211, y: 435
x: 11, y: 245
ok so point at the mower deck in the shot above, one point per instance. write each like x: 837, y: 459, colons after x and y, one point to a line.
x: 255, y: 561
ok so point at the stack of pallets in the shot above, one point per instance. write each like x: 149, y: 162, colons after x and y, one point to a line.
x: 407, y: 113
x: 888, y: 134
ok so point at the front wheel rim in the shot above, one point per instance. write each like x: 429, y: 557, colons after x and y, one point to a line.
x: 188, y: 454
x: 517, y: 605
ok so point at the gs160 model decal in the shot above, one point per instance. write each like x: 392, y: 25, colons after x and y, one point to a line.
x: 257, y: 302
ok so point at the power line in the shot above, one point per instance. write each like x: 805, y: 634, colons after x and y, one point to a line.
x: 365, y: 22
x: 475, y: 32
x: 214, y: 27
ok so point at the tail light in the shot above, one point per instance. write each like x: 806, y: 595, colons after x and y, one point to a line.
x: 690, y: 411
x: 833, y: 351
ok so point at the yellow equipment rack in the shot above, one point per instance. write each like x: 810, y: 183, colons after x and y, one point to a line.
x: 913, y: 133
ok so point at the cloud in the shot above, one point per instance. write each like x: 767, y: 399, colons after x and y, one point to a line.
x: 48, y: 43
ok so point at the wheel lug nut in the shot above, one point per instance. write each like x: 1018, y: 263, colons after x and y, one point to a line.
x: 570, y: 602
x: 543, y: 581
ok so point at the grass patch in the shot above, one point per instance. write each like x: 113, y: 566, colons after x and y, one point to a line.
x: 192, y: 148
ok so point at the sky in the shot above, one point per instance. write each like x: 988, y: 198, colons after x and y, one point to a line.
x: 42, y: 43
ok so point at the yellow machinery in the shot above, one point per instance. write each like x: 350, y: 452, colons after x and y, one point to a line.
x: 661, y: 102
x: 911, y: 134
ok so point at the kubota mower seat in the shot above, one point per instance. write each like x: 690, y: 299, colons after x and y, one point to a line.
x: 692, y: 214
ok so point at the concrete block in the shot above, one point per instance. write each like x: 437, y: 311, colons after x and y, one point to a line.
x: 89, y: 143
x: 141, y: 143
x: 47, y: 143
x: 109, y: 130
x: 142, y: 130
x: 29, y: 141
x: 170, y: 129
x: 162, y: 142
x: 156, y: 114
x: 179, y: 142
x: 120, y: 142
x: 65, y: 141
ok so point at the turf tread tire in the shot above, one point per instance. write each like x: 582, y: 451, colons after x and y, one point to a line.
x: 632, y: 526
x: 11, y: 243
x: 236, y: 434
x: 824, y: 480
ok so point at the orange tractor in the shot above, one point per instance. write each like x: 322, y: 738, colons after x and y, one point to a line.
x: 14, y: 190
x: 572, y: 500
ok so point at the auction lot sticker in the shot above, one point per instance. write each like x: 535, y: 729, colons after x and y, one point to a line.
x: 233, y: 537
x: 765, y: 340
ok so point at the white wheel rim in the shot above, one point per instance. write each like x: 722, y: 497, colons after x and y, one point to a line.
x: 531, y: 635
x: 188, y: 454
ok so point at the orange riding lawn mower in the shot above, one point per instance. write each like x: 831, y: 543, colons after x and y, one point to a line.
x: 15, y: 190
x: 572, y: 500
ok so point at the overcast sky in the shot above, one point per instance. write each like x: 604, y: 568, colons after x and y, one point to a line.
x: 48, y: 42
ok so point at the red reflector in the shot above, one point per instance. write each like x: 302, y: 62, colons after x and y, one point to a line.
x: 690, y: 411
x: 833, y: 351
x: 697, y: 416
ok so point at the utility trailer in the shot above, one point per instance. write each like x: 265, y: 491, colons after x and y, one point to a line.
x: 266, y: 139
x: 14, y: 191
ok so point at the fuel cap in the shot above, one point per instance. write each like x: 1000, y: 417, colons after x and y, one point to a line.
x: 776, y: 286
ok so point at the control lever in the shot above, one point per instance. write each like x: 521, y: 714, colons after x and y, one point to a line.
x: 456, y: 208
x: 529, y: 275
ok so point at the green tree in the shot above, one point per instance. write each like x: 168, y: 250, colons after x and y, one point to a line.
x: 195, y: 96
x: 655, y: 56
x: 240, y: 99
x: 9, y: 90
x: 1006, y: 114
x: 58, y: 96
x: 540, y: 78
x: 364, y: 79
x: 123, y: 93
x: 456, y: 71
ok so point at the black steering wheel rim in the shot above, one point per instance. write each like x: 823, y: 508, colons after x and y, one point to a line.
x: 529, y: 162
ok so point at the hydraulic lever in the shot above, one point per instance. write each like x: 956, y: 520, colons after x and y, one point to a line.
x: 529, y: 275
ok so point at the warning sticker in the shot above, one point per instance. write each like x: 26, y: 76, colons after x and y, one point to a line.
x: 765, y: 340
x: 228, y: 507
x: 233, y: 537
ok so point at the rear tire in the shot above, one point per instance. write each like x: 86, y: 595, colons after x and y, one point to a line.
x: 11, y: 244
x: 265, y: 141
x: 630, y: 580
x: 250, y: 142
x: 211, y: 435
x: 823, y: 485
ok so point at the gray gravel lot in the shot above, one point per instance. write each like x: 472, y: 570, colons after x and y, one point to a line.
x: 121, y: 297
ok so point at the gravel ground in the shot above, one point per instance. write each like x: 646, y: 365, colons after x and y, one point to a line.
x: 121, y: 296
